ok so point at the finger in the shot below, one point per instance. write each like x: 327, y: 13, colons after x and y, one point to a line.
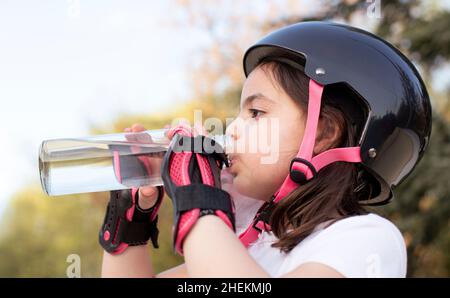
x: 138, y: 138
x: 129, y: 136
x: 137, y: 127
x: 147, y: 197
x: 182, y: 128
x: 148, y: 191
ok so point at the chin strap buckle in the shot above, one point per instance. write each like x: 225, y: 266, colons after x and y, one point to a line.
x: 299, y: 176
x: 261, y: 221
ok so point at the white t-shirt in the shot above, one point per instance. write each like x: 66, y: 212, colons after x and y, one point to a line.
x: 358, y: 246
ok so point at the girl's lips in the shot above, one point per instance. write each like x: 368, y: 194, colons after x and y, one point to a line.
x: 232, y: 167
x: 232, y: 160
x: 226, y: 176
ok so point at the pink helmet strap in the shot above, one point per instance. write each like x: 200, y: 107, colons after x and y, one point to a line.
x: 304, y: 167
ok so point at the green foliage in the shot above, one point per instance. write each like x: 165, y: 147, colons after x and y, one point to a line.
x: 421, y: 208
x: 40, y: 232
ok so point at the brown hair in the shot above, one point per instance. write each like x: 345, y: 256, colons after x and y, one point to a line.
x: 337, y: 189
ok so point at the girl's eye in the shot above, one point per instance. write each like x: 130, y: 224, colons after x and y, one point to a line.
x: 255, y: 113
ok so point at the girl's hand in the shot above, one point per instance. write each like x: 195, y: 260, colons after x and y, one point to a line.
x: 192, y: 181
x: 148, y: 195
x: 132, y: 214
x: 185, y: 129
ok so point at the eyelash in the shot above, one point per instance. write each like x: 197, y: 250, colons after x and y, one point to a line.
x: 252, y: 111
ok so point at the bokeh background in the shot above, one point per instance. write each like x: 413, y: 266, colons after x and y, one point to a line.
x: 73, y: 68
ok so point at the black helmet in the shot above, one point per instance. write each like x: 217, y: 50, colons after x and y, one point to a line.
x: 397, y: 126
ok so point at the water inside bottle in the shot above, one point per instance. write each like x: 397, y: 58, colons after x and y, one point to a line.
x: 103, y: 163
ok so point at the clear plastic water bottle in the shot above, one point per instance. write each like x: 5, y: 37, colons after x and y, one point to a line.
x: 104, y: 162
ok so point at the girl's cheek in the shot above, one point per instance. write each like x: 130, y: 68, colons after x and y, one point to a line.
x: 265, y: 138
x: 260, y: 182
x: 246, y: 137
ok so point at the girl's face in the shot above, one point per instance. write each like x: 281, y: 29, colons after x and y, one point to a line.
x: 266, y: 135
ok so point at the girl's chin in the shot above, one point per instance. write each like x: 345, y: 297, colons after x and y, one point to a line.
x: 236, y: 184
x: 242, y: 187
x: 230, y: 172
x: 226, y: 176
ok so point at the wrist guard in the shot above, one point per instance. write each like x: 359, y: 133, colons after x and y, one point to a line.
x: 192, y: 181
x: 126, y: 224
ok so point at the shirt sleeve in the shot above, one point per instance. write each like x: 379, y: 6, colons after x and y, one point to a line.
x: 359, y: 246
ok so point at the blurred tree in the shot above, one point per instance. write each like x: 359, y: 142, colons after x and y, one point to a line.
x: 422, y: 207
x: 41, y: 232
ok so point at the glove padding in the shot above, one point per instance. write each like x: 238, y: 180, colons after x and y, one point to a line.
x: 192, y: 180
x: 126, y: 224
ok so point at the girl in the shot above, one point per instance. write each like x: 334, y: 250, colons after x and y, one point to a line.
x: 352, y: 119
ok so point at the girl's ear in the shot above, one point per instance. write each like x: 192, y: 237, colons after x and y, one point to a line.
x: 328, y: 134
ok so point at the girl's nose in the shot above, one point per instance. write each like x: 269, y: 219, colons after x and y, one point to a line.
x: 232, y: 130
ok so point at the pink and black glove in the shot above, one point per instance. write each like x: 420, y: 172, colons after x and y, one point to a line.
x: 191, y: 178
x: 126, y: 224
